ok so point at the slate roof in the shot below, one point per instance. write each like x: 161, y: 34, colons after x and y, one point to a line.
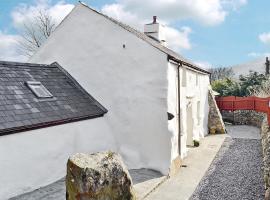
x: 21, y: 110
x: 171, y: 54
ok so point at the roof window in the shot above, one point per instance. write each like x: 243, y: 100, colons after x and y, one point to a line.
x: 38, y: 89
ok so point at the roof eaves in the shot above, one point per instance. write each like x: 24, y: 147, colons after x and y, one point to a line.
x: 188, y: 64
x: 47, y: 124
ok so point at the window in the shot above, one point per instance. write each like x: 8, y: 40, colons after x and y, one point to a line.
x: 38, y: 89
x: 198, y: 112
x: 184, y: 78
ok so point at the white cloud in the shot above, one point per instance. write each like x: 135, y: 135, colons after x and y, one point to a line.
x: 178, y: 39
x: 118, y: 12
x: 8, y: 48
x: 25, y: 13
x: 204, y: 64
x: 265, y: 38
x: 203, y: 11
x: 257, y: 54
x: 206, y: 12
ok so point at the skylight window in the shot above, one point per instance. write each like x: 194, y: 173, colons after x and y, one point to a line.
x: 38, y: 89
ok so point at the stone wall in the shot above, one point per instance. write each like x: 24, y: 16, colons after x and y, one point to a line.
x: 215, y: 122
x: 265, y: 133
x: 244, y: 117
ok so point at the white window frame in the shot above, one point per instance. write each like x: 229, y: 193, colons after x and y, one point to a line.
x: 36, y: 87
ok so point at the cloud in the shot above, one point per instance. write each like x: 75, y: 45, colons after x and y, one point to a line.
x: 139, y: 12
x: 204, y: 64
x: 170, y: 10
x: 265, y: 38
x: 25, y: 13
x: 206, y: 12
x: 257, y: 54
x: 118, y: 12
x: 178, y: 39
x: 8, y: 48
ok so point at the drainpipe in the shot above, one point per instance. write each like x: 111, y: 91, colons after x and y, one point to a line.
x: 179, y: 122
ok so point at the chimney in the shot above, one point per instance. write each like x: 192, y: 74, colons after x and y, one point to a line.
x: 267, y: 66
x: 154, y: 19
x: 155, y: 31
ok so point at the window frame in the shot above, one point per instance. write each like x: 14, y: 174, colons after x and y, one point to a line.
x: 33, y: 85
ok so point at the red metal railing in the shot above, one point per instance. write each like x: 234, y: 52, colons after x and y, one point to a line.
x: 232, y: 103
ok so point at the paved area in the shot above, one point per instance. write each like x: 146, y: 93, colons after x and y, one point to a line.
x: 236, y: 172
x: 182, y: 185
x: 144, y: 181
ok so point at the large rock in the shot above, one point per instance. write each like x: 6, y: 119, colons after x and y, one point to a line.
x: 99, y: 176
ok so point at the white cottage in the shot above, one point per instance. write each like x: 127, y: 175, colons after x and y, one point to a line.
x: 157, y: 101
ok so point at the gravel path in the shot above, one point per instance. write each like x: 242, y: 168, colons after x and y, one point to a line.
x: 236, y: 173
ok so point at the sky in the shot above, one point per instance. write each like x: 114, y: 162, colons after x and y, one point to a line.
x: 212, y: 33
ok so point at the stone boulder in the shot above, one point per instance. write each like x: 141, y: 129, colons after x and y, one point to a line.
x: 99, y: 176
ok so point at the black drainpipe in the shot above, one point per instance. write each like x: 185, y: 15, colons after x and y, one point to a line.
x: 179, y: 122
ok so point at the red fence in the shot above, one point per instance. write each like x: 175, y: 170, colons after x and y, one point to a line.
x: 232, y: 103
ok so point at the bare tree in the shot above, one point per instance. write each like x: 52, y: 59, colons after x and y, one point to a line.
x: 221, y: 73
x: 35, y: 32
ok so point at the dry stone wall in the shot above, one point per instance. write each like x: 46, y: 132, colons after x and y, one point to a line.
x: 244, y: 117
x: 265, y: 133
x: 215, y: 122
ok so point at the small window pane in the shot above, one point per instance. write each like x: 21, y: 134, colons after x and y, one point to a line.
x: 38, y: 89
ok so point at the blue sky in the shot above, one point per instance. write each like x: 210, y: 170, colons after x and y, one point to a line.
x: 226, y: 33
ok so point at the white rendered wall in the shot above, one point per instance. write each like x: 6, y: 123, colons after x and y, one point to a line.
x: 130, y: 82
x: 173, y: 108
x: 193, y: 91
x: 36, y: 158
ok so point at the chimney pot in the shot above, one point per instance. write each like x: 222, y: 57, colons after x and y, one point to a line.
x: 154, y: 19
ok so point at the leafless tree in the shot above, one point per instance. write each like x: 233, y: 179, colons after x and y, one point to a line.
x: 35, y: 32
x: 221, y: 73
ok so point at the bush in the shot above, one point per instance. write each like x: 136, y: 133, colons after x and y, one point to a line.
x: 263, y: 90
x: 246, y: 86
x: 226, y: 87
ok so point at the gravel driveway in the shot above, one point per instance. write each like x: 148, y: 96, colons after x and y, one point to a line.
x: 236, y: 172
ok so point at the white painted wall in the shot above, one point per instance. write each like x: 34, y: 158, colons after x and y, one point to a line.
x: 130, y: 82
x: 36, y: 158
x: 173, y: 107
x: 194, y: 89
